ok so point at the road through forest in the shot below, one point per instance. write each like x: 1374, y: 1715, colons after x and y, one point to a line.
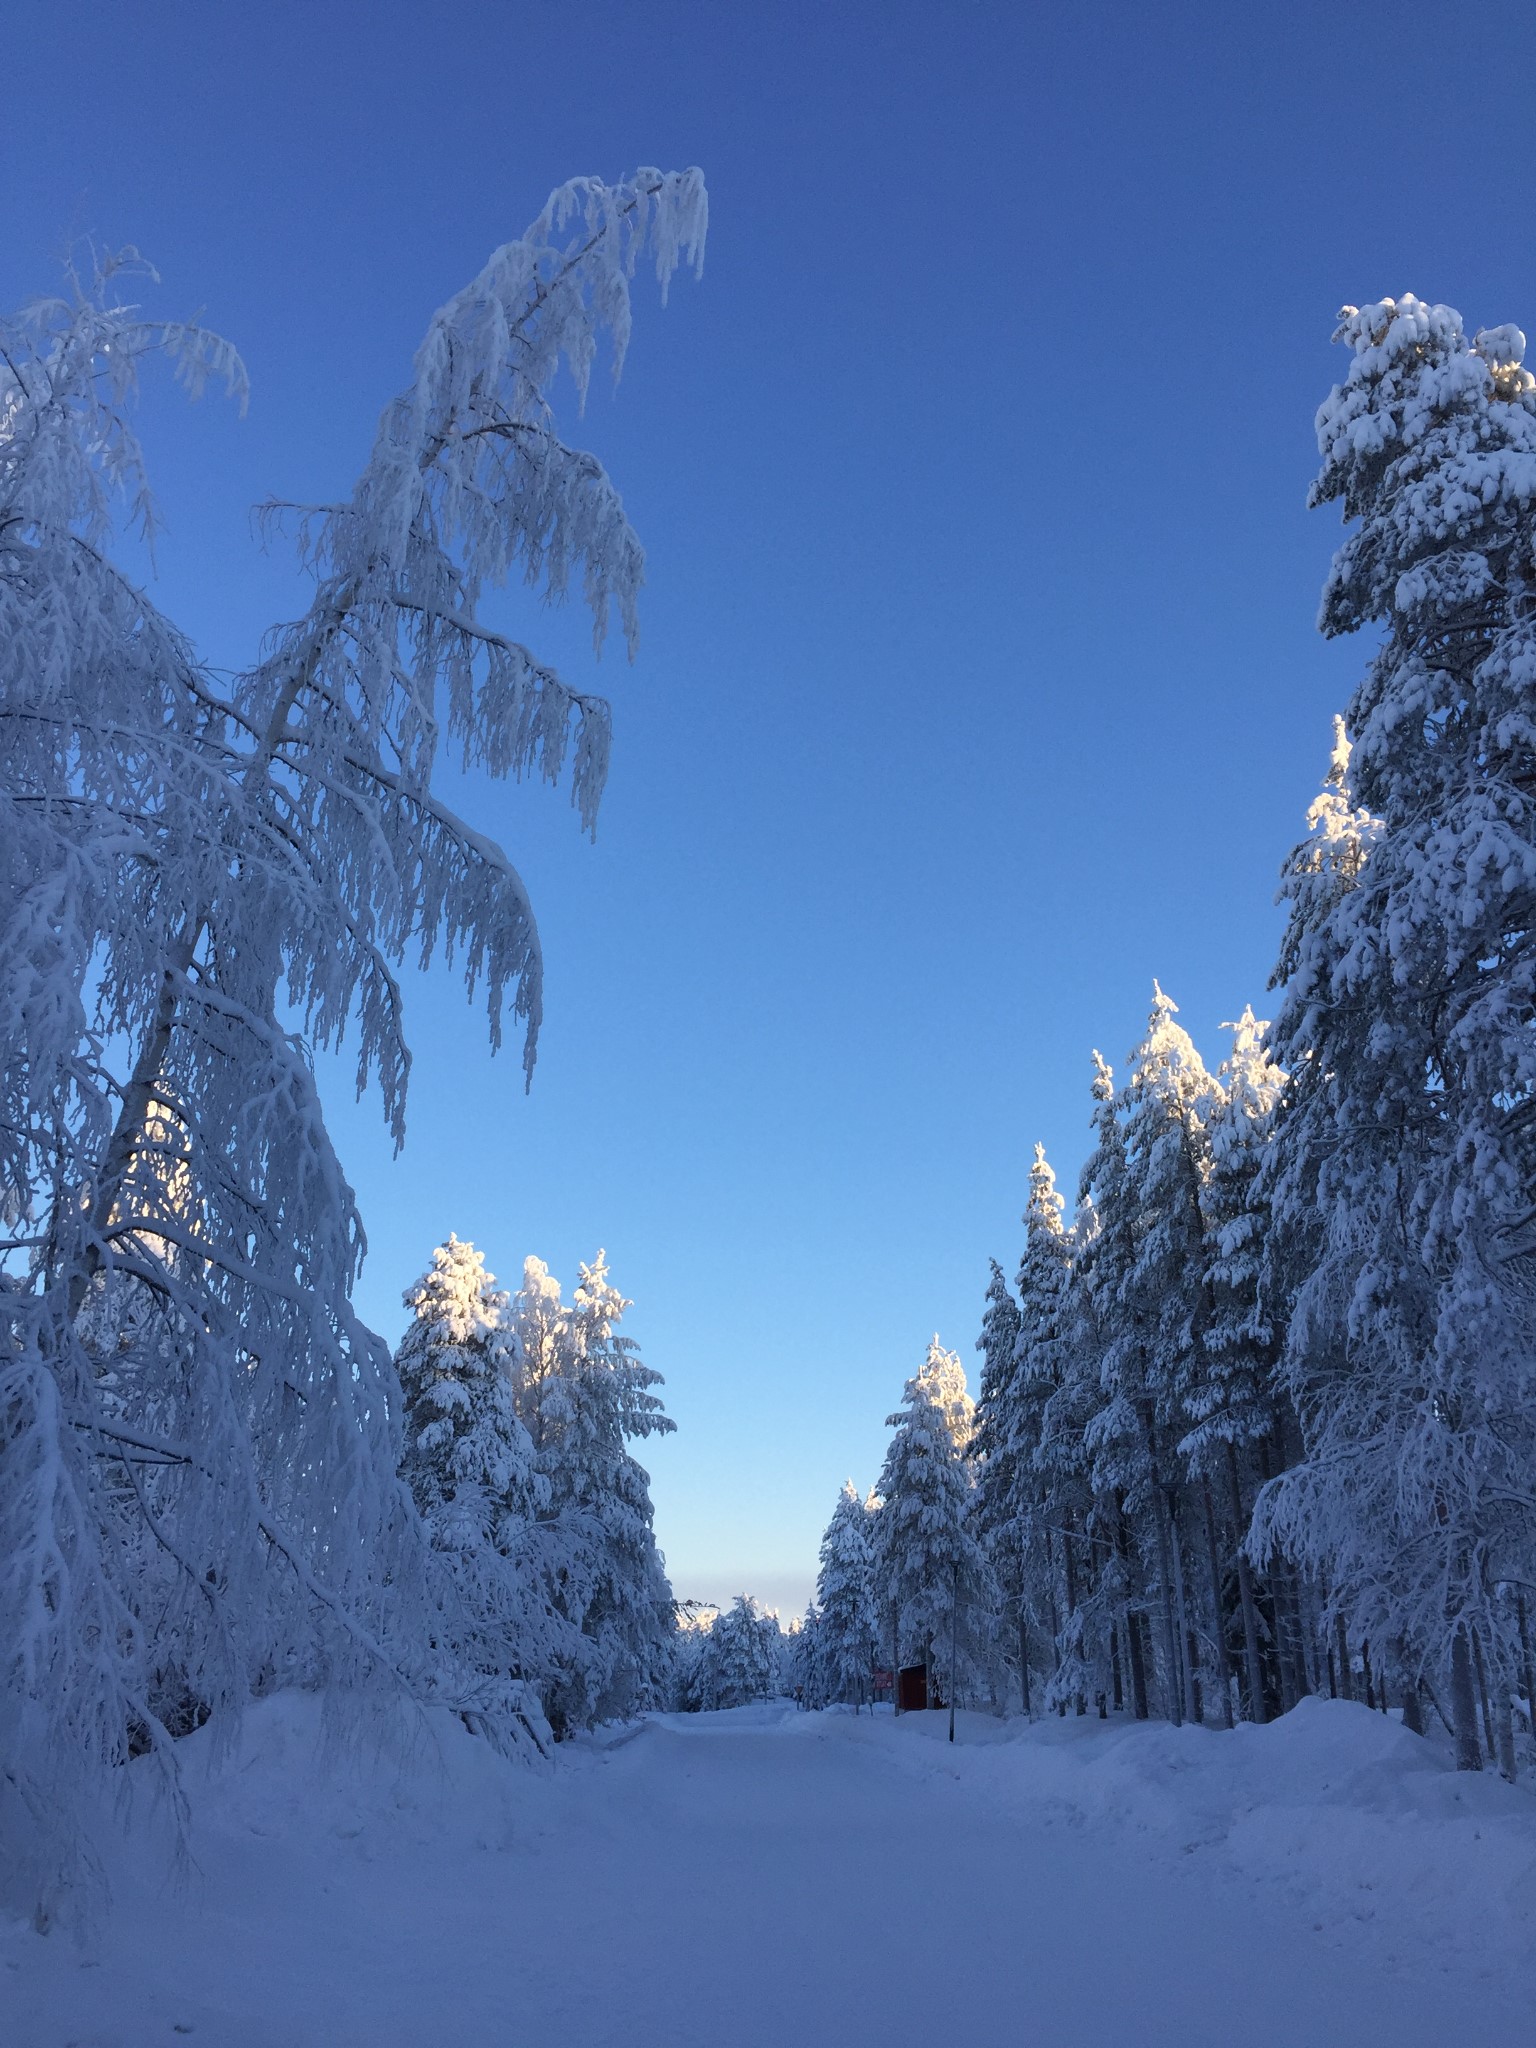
x: 740, y: 1880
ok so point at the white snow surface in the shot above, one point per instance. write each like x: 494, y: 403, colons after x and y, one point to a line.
x: 763, y: 1875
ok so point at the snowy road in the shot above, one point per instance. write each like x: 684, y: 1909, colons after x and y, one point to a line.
x: 775, y: 1878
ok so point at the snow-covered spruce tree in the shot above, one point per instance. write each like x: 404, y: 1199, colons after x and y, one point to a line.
x: 1105, y: 1602
x: 929, y: 1565
x: 801, y: 1678
x: 1406, y: 1020
x: 741, y: 1657
x: 996, y: 1508
x: 1164, y: 1109
x: 200, y: 884
x: 470, y: 1466
x: 1060, y: 1392
x: 585, y: 1395
x: 693, y: 1621
x: 1232, y: 1404
x: 1126, y: 1437
x: 1022, y: 1511
x: 845, y: 1642
x: 1308, y: 1309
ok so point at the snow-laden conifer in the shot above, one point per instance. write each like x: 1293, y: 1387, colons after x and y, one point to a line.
x: 464, y: 1448
x: 585, y: 1395
x: 1405, y: 1020
x: 931, y: 1568
x: 1059, y: 1394
x: 470, y: 1466
x: 1143, y: 1187
x: 844, y: 1647
x: 997, y: 1507
x: 1167, y: 1103
x: 1232, y: 1403
x: 740, y: 1658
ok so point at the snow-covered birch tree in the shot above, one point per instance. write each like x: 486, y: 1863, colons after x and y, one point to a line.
x: 202, y: 885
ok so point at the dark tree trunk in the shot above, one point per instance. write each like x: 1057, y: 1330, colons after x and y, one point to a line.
x: 1223, y: 1671
x: 1490, y: 1736
x: 1196, y: 1691
x: 1504, y: 1733
x: 1257, y: 1710
x: 1069, y: 1567
x: 1346, y: 1676
x: 1136, y: 1645
x: 1413, y: 1719
x: 1527, y: 1672
x: 1469, y: 1755
x: 1172, y: 1688
x: 1133, y: 1643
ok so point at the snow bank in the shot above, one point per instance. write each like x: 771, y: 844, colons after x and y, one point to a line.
x: 390, y: 1773
x: 1340, y: 1812
x: 398, y: 1884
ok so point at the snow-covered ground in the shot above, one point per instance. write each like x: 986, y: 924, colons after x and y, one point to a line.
x: 771, y: 1877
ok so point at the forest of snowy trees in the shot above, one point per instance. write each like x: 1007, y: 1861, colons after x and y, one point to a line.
x: 209, y: 1486
x: 1257, y: 1421
x: 1260, y: 1420
x: 516, y: 1416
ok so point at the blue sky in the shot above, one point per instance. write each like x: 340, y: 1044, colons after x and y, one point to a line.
x: 978, y: 680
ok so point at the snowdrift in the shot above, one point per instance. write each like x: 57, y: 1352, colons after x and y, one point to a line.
x: 1339, y: 1812
x: 396, y: 1883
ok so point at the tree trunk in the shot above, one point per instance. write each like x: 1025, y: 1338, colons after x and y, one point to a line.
x: 1527, y: 1673
x: 1223, y: 1671
x: 1275, y: 1454
x: 1257, y: 1710
x: 137, y: 1106
x: 1469, y: 1755
x: 1346, y: 1676
x: 1504, y: 1733
x: 1181, y: 1605
x: 1307, y: 1635
x: 139, y: 1095
x: 1023, y: 1662
x: 1490, y: 1744
x: 1171, y: 1686
x: 1114, y: 1667
x: 1069, y: 1566
x: 1137, y: 1648
x: 1196, y: 1689
x: 1413, y: 1719
x: 1133, y: 1644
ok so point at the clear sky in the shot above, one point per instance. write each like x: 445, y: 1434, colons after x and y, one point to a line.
x: 978, y: 681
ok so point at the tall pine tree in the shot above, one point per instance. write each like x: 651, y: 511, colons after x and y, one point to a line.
x: 1406, y: 1023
